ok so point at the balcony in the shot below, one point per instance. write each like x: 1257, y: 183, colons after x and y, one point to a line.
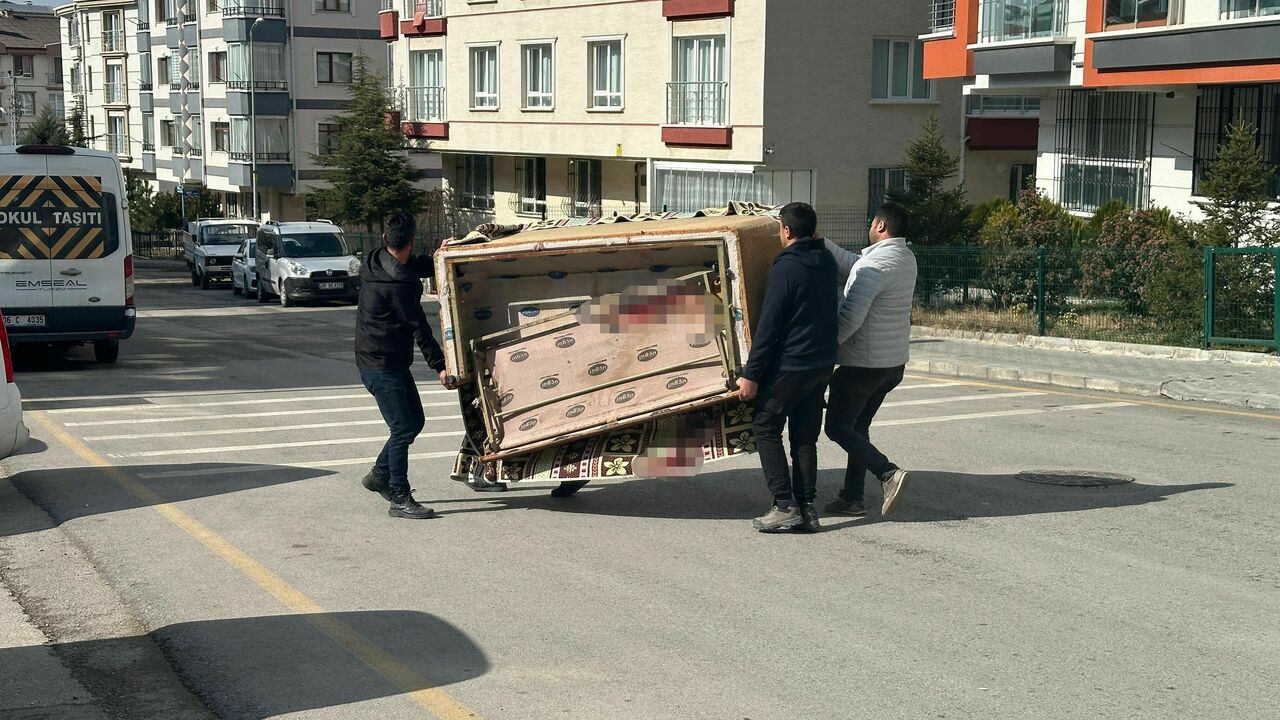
x: 53, y: 80
x: 272, y: 85
x: 424, y: 18
x: 195, y: 152
x: 112, y: 41
x: 942, y: 16
x: 1005, y: 21
x: 148, y: 146
x: 118, y: 144
x: 258, y: 8
x: 425, y: 113
x: 171, y: 21
x: 696, y: 114
x: 245, y: 156
x: 145, y: 86
x: 144, y: 26
x: 1237, y: 43
x: 113, y: 93
x: 190, y: 17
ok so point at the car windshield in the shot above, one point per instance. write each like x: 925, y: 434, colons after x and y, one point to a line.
x: 226, y: 234
x: 314, y: 245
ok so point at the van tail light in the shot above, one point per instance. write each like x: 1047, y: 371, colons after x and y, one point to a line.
x: 8, y: 359
x: 128, y: 280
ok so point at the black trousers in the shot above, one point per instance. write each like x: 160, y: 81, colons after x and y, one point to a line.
x: 856, y: 395
x: 793, y: 397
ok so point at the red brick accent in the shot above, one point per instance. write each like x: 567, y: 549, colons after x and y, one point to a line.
x: 388, y: 24
x: 997, y: 133
x: 684, y: 9
x: 697, y: 136
x: 392, y: 119
x: 433, y: 131
x: 429, y: 27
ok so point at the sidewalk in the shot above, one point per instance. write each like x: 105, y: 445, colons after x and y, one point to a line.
x: 1238, y: 379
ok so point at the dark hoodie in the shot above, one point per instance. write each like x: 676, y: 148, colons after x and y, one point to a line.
x: 389, y: 319
x: 796, y: 329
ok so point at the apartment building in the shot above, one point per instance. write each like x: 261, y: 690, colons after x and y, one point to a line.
x: 30, y: 66
x: 200, y: 92
x: 1135, y: 96
x: 595, y: 107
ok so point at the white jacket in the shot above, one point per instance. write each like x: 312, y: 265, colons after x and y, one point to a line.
x: 875, y: 309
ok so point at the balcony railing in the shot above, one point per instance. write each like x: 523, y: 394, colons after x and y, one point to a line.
x: 1003, y: 20
x: 118, y: 144
x: 195, y: 152
x: 148, y: 146
x: 696, y: 103
x: 171, y: 21
x: 113, y: 92
x: 112, y: 41
x: 245, y: 156
x: 144, y: 25
x: 53, y: 80
x: 145, y: 86
x: 388, y: 5
x: 256, y: 8
x: 429, y: 8
x: 942, y: 15
x: 258, y: 84
x: 190, y: 17
x: 424, y: 104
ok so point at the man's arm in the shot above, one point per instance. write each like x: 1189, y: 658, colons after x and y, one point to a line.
x: 408, y: 308
x: 767, y: 337
x: 844, y: 259
x: 859, y: 294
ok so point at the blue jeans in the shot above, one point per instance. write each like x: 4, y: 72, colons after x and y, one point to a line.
x: 401, y: 408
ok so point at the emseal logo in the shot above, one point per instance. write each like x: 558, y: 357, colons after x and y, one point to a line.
x: 55, y: 285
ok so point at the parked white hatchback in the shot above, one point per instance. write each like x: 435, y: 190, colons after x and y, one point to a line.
x: 13, y: 431
x: 244, y: 269
x: 301, y: 261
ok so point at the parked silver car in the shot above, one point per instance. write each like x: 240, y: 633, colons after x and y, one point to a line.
x: 244, y: 271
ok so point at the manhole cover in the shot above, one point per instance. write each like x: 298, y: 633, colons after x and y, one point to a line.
x: 1074, y: 478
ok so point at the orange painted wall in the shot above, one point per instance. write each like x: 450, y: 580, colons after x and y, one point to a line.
x: 951, y: 57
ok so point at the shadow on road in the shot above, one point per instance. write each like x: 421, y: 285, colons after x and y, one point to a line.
x: 930, y: 497
x: 69, y: 493
x: 260, y: 667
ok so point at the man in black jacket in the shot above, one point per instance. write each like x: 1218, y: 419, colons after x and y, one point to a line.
x: 389, y: 321
x: 793, y: 352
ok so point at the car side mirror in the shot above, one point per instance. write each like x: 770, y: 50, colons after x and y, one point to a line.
x: 239, y: 256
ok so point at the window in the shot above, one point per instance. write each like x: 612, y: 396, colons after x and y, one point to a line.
x: 696, y: 95
x: 426, y: 86
x: 897, y: 70
x: 1221, y: 106
x: 169, y: 133
x: 175, y: 73
x: 531, y: 179
x: 333, y: 5
x: 333, y: 67
x: 221, y: 135
x: 75, y: 79
x: 58, y: 105
x: 114, y: 84
x: 539, y: 76
x: 1120, y: 14
x: 272, y: 142
x: 1022, y: 176
x: 117, y: 135
x: 484, y: 77
x: 26, y: 103
x: 213, y: 6
x: 148, y: 132
x: 112, y: 32
x: 1003, y: 20
x: 1232, y: 9
x: 586, y: 183
x: 1103, y: 148
x: 474, y: 189
x: 217, y: 67
x: 88, y: 78
x: 327, y: 138
x: 24, y: 65
x: 605, y: 68
x: 195, y: 141
x: 162, y: 68
x: 268, y: 66
x: 694, y: 186
x: 880, y: 182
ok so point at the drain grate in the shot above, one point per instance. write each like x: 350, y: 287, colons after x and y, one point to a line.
x: 1074, y: 478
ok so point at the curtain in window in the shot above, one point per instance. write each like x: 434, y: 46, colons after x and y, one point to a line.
x: 689, y: 189
x: 268, y: 65
x: 484, y: 77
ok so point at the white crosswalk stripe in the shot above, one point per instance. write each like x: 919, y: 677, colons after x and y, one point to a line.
x: 271, y: 446
x: 273, y: 428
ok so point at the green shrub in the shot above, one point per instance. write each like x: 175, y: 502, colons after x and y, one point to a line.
x: 1124, y: 255
x: 1010, y: 241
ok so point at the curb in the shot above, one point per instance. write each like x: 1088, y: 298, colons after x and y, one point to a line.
x: 1101, y: 347
x: 1173, y: 389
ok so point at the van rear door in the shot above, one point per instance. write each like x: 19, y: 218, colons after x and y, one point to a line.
x: 26, y: 271
x: 88, y: 262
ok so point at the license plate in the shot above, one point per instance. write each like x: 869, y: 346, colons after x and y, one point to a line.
x: 330, y: 286
x: 24, y: 321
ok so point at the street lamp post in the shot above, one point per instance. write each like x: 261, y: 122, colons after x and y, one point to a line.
x: 253, y: 125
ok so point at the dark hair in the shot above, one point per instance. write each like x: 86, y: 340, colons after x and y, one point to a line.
x: 400, y: 229
x: 800, y: 219
x: 895, y: 217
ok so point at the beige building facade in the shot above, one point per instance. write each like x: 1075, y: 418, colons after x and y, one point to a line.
x: 30, y: 67
x: 593, y: 107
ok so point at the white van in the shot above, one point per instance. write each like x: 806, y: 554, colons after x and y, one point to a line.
x: 66, y: 263
x: 300, y: 261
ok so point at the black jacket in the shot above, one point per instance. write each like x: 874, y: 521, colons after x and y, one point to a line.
x: 389, y: 319
x: 796, y: 329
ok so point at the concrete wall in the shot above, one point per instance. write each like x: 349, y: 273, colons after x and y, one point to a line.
x: 986, y: 172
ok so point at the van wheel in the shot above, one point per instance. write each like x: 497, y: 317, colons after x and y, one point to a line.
x: 568, y: 487
x: 195, y: 279
x: 106, y: 351
x: 285, y: 302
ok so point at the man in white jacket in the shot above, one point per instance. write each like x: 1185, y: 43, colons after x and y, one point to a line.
x: 874, y: 338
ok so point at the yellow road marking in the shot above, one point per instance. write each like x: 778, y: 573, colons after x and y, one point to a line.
x: 417, y: 687
x: 1131, y: 400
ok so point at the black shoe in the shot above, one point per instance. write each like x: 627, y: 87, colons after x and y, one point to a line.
x: 405, y: 506
x: 840, y: 506
x: 377, y: 481
x: 568, y: 488
x: 808, y: 520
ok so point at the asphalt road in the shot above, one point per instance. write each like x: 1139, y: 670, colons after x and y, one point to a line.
x: 189, y: 530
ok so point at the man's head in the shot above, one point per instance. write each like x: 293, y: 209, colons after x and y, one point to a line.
x: 796, y: 221
x: 399, y: 235
x: 890, y: 222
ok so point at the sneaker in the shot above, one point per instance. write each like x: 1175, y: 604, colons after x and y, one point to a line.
x: 840, y: 506
x: 405, y: 506
x: 378, y: 481
x: 893, y: 486
x: 808, y: 520
x: 777, y: 520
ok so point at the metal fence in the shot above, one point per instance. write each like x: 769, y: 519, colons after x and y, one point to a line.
x: 1241, y: 302
x: 157, y: 245
x: 942, y: 15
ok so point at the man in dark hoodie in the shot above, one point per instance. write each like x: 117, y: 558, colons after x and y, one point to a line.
x: 793, y: 352
x: 389, y: 321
